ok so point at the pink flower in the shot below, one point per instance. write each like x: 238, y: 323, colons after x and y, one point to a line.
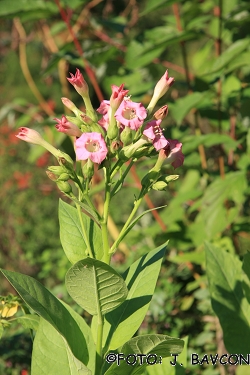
x: 153, y: 131
x: 163, y: 85
x: 160, y: 89
x: 104, y: 121
x: 131, y: 114
x: 117, y: 96
x: 172, y: 153
x: 104, y: 107
x: 30, y: 135
x: 91, y: 146
x: 67, y: 127
x: 79, y: 83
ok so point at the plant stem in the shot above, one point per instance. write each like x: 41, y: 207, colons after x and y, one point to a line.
x: 104, y: 222
x: 98, y: 364
x: 84, y: 232
x: 136, y: 206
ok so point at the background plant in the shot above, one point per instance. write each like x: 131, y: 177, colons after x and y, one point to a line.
x: 205, y: 45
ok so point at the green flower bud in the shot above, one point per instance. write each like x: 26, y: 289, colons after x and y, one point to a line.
x: 172, y: 177
x: 65, y: 160
x: 127, y: 136
x: 88, y: 169
x: 159, y: 185
x: 57, y: 170
x: 64, y: 177
x: 113, y: 131
x: 64, y: 186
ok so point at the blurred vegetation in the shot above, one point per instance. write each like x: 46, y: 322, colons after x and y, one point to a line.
x: 205, y: 46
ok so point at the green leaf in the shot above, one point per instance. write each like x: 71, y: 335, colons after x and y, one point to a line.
x: 191, y: 143
x: 30, y: 321
x: 213, y: 212
x: 166, y: 368
x: 224, y: 271
x: 15, y: 7
x: 141, y: 277
x: 156, y: 5
x: 182, y: 106
x: 51, y: 309
x: 71, y: 234
x: 138, y: 55
x: 51, y: 354
x: 231, y: 53
x: 157, y: 345
x: 95, y: 286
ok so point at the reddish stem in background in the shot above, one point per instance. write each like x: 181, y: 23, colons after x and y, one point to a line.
x: 88, y: 69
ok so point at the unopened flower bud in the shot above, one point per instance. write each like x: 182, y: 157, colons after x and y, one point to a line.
x: 115, y: 146
x: 113, y: 131
x: 65, y: 160
x: 127, y: 136
x: 70, y: 105
x: 52, y: 176
x: 32, y: 136
x: 161, y: 113
x: 160, y: 89
x: 63, y: 177
x: 79, y: 83
x: 64, y: 186
x: 57, y: 170
x: 159, y: 185
x: 172, y: 177
x: 88, y: 169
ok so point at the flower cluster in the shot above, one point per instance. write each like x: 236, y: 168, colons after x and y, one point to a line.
x: 125, y: 129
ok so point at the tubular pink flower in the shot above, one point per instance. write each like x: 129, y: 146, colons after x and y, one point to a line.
x: 67, y: 127
x: 160, y: 89
x: 104, y: 107
x: 117, y: 96
x: 32, y: 136
x: 131, y: 114
x: 91, y: 146
x: 79, y: 83
x: 153, y: 131
x: 104, y: 122
x: 172, y: 153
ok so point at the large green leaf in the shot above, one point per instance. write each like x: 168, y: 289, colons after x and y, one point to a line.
x: 182, y: 106
x: 213, y: 212
x: 71, y: 234
x: 51, y: 354
x: 95, y: 286
x: 51, y: 309
x: 159, y: 346
x: 231, y: 53
x: 15, y: 7
x: 224, y: 271
x: 121, y: 324
x: 165, y: 367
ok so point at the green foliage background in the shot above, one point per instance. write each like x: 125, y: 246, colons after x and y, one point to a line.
x: 205, y: 46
